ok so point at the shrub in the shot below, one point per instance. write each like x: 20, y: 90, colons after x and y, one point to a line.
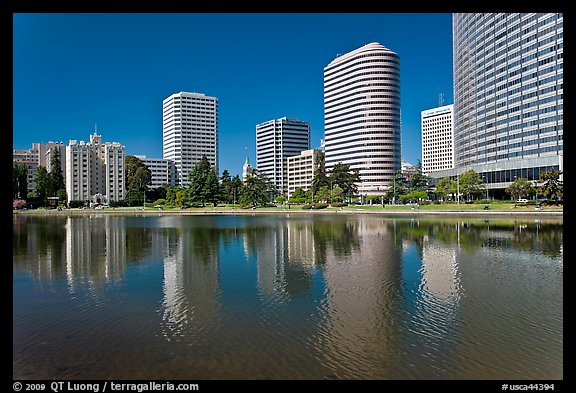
x: 338, y: 204
x: 160, y: 201
x: 320, y: 206
x: 306, y: 207
x: 76, y: 204
x: 120, y: 203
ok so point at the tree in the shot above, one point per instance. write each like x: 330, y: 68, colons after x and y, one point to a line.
x: 346, y: 179
x: 42, y: 182
x: 181, y: 198
x: 226, y: 187
x: 320, y: 178
x: 520, y: 188
x: 419, y: 181
x: 470, y: 183
x: 397, y: 186
x: 138, y: 175
x: 280, y: 199
x: 56, y: 178
x: 553, y: 187
x: 257, y: 190
x: 323, y: 194
x: 204, y: 186
x: 444, y: 187
x: 19, y: 180
x: 336, y: 194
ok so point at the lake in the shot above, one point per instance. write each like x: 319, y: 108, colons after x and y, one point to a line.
x: 286, y: 297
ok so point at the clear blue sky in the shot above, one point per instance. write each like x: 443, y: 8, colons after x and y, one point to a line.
x: 72, y: 71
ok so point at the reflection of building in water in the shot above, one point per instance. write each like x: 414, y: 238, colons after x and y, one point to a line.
x: 360, y: 326
x: 440, y: 276
x: 191, y: 278
x: 301, y: 243
x: 271, y: 255
x: 95, y: 249
x: 285, y: 257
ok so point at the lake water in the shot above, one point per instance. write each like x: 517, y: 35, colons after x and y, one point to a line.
x: 286, y: 297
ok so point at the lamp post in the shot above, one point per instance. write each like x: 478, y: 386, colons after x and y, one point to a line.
x: 144, y: 205
x: 458, y: 188
x: 484, y: 178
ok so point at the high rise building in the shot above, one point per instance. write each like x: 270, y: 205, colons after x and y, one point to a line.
x: 163, y: 171
x: 362, y: 115
x: 94, y: 168
x: 438, y: 138
x: 508, y: 95
x: 276, y: 140
x: 189, y: 131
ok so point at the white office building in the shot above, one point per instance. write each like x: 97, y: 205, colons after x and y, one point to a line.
x: 276, y: 140
x: 362, y: 115
x: 300, y: 170
x: 95, y: 167
x: 163, y: 171
x: 189, y: 131
x: 438, y: 138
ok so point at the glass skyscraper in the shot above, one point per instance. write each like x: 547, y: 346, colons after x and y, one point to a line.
x: 508, y: 94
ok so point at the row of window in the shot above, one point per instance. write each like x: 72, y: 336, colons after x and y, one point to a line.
x: 338, y: 66
x: 355, y: 74
x: 336, y: 91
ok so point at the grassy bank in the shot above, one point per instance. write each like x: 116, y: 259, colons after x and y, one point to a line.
x: 496, y: 208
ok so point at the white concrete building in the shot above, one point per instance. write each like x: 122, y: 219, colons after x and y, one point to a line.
x: 362, y: 115
x: 437, y: 138
x: 163, y: 171
x: 276, y: 140
x: 95, y: 167
x: 189, y: 131
x: 300, y: 170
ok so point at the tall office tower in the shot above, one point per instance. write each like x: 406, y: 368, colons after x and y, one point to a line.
x: 362, y: 115
x: 189, y: 131
x: 94, y: 168
x: 276, y: 140
x: 438, y: 138
x: 508, y: 94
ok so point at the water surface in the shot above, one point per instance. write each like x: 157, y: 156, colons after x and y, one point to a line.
x: 286, y: 297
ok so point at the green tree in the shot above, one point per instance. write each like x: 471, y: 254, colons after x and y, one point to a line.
x: 56, y: 178
x: 320, y: 178
x: 520, y: 188
x: 444, y: 187
x: 42, y: 182
x: 138, y: 175
x: 337, y: 194
x: 226, y: 187
x: 181, y: 198
x: 419, y: 181
x: 280, y: 199
x: 397, y: 186
x: 553, y: 187
x: 204, y: 186
x: 470, y: 183
x: 257, y: 190
x: 346, y: 179
x: 19, y: 180
x: 323, y: 194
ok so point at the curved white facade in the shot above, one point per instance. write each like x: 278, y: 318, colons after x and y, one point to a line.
x: 362, y: 115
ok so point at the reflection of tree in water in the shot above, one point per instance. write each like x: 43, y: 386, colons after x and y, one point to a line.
x: 138, y: 241
x: 471, y: 235
x: 41, y: 241
x: 341, y: 235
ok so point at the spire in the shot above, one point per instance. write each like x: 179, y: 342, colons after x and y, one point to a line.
x: 247, y: 162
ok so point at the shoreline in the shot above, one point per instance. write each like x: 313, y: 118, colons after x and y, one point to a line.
x: 391, y: 213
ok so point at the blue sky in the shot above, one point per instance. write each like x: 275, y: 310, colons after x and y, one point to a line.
x: 72, y: 71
